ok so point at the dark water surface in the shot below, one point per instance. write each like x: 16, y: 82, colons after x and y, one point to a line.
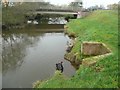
x: 31, y: 55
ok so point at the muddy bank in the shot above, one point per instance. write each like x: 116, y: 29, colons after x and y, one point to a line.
x: 89, y: 53
x: 47, y: 27
x: 72, y: 56
x: 73, y: 59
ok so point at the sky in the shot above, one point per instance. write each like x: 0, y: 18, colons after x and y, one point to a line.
x: 86, y: 3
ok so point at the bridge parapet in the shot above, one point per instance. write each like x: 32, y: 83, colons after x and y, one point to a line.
x: 56, y: 8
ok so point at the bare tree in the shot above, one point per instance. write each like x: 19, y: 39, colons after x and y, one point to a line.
x: 112, y: 6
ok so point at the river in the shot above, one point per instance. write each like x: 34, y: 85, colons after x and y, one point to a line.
x: 31, y: 55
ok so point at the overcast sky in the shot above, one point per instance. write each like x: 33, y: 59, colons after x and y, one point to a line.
x: 86, y: 3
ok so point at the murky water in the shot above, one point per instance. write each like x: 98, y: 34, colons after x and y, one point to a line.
x: 31, y: 55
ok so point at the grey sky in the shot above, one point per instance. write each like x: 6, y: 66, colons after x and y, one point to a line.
x: 86, y: 3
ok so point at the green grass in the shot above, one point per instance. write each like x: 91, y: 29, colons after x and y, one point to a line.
x: 100, y: 26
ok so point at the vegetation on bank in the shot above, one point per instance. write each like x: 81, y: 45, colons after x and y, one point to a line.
x: 11, y: 17
x: 100, y: 26
x: 0, y: 14
x: 16, y: 13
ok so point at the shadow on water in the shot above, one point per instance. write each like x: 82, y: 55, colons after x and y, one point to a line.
x: 46, y: 28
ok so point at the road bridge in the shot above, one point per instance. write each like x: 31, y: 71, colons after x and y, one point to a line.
x: 53, y: 12
x: 57, y: 10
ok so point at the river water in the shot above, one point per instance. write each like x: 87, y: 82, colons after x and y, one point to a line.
x: 31, y: 55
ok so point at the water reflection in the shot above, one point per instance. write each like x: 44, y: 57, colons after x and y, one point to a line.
x: 30, y: 55
x: 14, y: 48
x: 0, y: 61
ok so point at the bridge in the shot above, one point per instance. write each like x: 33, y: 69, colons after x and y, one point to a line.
x: 52, y: 12
x: 57, y: 10
x: 42, y: 10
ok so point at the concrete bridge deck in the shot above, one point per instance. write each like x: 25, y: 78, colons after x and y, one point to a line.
x: 52, y: 12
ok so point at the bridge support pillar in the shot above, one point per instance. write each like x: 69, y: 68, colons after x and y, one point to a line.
x: 79, y: 15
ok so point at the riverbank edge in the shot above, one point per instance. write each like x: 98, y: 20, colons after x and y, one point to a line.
x: 78, y: 58
x: 91, y: 69
x: 73, y: 57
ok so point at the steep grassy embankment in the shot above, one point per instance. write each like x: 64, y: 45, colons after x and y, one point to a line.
x: 100, y: 26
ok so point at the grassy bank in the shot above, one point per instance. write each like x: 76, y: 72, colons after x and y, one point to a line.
x: 100, y: 26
